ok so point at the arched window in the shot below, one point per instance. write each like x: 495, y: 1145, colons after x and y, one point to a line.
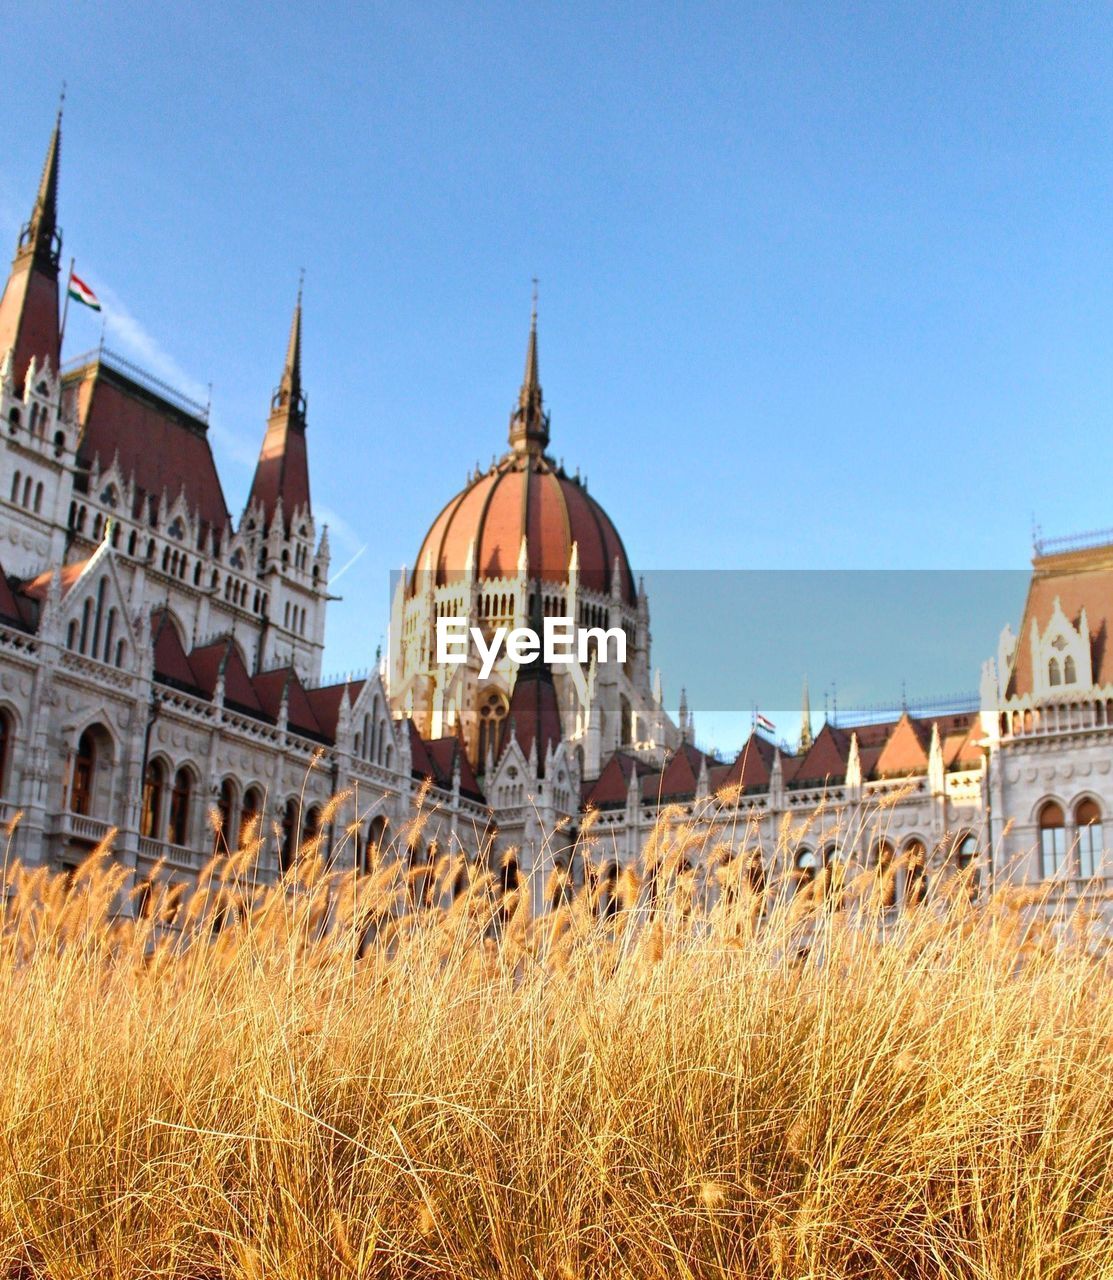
x: 5, y: 749
x: 915, y: 873
x: 1070, y: 674
x: 38, y: 498
x: 886, y: 880
x: 288, y: 848
x: 806, y: 866
x: 376, y: 837
x: 226, y: 809
x: 492, y: 722
x: 154, y: 789
x: 1053, y: 674
x: 627, y: 722
x: 178, y: 831
x: 15, y: 487
x: 250, y: 812
x: 606, y: 897
x: 27, y: 492
x: 1087, y: 817
x: 311, y: 830
x: 420, y: 877
x: 84, y: 774
x: 1053, y: 839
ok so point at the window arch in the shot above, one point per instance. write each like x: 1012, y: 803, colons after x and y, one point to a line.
x: 288, y: 846
x: 7, y: 735
x: 492, y: 724
x: 376, y: 837
x: 1087, y: 817
x: 1070, y: 673
x: 154, y: 789
x: 915, y: 873
x: 86, y: 790
x: 251, y: 811
x: 1054, y: 676
x: 180, y: 796
x: 806, y: 868
x: 886, y: 879
x: 1053, y: 838
x: 15, y: 487
x: 226, y: 809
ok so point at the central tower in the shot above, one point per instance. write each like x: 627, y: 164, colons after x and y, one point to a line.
x: 522, y: 540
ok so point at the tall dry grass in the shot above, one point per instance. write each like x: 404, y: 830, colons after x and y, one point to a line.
x: 334, y: 1083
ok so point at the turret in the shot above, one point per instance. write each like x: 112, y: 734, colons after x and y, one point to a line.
x: 29, y: 307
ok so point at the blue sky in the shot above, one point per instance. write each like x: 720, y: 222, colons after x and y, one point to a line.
x: 821, y: 286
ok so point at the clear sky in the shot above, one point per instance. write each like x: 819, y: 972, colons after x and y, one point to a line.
x: 822, y: 286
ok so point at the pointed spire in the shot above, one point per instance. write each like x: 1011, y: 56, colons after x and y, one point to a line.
x: 529, y: 423
x: 282, y: 472
x: 289, y: 395
x: 805, y: 720
x: 40, y: 238
x: 29, y: 305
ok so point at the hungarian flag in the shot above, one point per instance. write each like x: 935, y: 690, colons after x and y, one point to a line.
x: 763, y: 722
x: 79, y: 291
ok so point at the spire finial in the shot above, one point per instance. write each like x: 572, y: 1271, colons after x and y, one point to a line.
x: 61, y: 102
x: 805, y: 720
x: 289, y: 394
x: 529, y: 423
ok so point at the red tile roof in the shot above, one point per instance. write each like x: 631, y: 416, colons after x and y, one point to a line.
x: 269, y: 687
x: 239, y: 692
x: 326, y: 701
x: 533, y: 714
x: 171, y: 662
x: 905, y: 750
x: 158, y: 443
x: 609, y: 789
x: 1080, y: 580
x: 29, y: 317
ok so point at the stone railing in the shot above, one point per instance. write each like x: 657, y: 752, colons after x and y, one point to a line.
x: 1028, y: 717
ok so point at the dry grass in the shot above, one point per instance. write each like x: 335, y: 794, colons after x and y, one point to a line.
x: 696, y: 1092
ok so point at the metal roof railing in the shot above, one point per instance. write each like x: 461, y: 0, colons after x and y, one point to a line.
x: 140, y: 376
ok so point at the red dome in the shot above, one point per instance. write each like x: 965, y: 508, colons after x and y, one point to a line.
x: 526, y: 494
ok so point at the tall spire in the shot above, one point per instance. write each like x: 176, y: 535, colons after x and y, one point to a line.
x: 805, y: 720
x: 40, y: 237
x: 529, y: 423
x: 29, y: 306
x: 282, y: 472
x: 289, y: 395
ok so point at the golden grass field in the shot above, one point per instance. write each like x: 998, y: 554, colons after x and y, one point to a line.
x: 336, y: 1084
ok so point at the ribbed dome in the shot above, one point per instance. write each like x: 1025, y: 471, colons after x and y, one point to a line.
x: 526, y: 495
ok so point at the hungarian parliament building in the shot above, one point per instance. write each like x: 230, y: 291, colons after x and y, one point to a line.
x: 160, y: 668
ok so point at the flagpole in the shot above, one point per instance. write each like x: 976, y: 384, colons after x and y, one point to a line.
x: 65, y: 312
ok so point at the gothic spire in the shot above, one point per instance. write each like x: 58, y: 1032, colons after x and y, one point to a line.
x: 40, y: 237
x: 529, y: 423
x: 805, y: 720
x: 29, y: 306
x: 289, y: 395
x: 282, y: 472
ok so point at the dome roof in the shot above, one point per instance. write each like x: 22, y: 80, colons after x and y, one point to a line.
x: 526, y: 495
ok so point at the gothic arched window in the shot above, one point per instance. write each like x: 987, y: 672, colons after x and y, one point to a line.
x: 492, y: 723
x: 1053, y: 838
x: 154, y: 786
x: 1090, y: 844
x: 180, y: 795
